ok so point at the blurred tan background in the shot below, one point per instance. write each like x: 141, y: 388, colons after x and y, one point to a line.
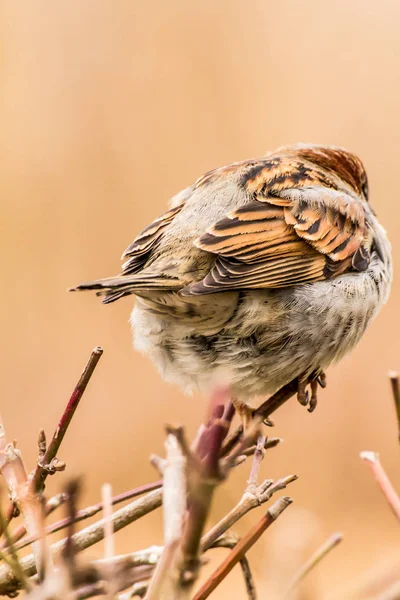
x: 106, y: 110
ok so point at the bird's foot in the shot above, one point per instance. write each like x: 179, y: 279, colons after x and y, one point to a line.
x: 247, y: 414
x: 245, y: 411
x: 314, y: 380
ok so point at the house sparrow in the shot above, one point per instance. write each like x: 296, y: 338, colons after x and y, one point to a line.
x: 262, y: 271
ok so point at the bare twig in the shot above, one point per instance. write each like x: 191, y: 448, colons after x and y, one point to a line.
x: 90, y: 511
x: 164, y: 581
x: 203, y: 482
x: 372, y: 458
x: 85, y: 538
x: 249, y: 500
x: 48, y: 463
x: 394, y: 380
x: 314, y: 560
x: 20, y: 531
x: 13, y: 471
x: 106, y: 494
x: 242, y: 547
x: 13, y: 561
x: 230, y: 541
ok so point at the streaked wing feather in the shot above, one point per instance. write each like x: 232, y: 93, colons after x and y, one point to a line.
x: 302, y: 235
x: 139, y: 251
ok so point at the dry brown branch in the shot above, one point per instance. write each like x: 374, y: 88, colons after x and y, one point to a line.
x: 314, y: 560
x: 249, y: 500
x: 190, y: 477
x: 174, y: 502
x: 47, y: 465
x: 14, y: 474
x: 90, y: 511
x: 372, y: 458
x: 254, y: 495
x: 85, y: 538
x: 230, y: 541
x: 202, y: 483
x: 19, y: 532
x: 242, y: 547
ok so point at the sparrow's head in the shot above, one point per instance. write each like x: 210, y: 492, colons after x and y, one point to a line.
x: 335, y: 161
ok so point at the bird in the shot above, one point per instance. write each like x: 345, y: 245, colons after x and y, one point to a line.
x: 262, y: 272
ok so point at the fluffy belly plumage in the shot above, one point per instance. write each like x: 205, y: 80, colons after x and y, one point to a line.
x: 266, y: 340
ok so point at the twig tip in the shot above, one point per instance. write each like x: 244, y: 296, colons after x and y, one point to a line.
x: 369, y: 456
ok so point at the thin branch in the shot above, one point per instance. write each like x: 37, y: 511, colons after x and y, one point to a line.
x: 314, y: 560
x: 230, y: 541
x: 164, y: 580
x: 250, y: 500
x: 13, y: 561
x: 106, y: 494
x: 263, y: 412
x: 372, y: 458
x: 256, y: 464
x: 85, y: 538
x: 242, y: 547
x: 20, y: 531
x: 14, y: 473
x: 203, y: 482
x: 46, y: 465
x: 90, y: 511
x: 277, y: 400
x: 394, y: 380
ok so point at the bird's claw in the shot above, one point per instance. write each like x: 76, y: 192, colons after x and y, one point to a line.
x: 303, y: 395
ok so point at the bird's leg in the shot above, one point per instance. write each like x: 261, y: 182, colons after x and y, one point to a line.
x: 245, y: 411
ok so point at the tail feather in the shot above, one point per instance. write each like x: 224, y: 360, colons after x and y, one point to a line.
x: 113, y: 288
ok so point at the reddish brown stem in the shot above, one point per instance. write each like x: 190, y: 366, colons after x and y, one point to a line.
x: 42, y: 469
x: 242, y: 547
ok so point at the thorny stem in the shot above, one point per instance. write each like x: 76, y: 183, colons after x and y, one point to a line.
x: 242, y: 547
x: 44, y: 467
